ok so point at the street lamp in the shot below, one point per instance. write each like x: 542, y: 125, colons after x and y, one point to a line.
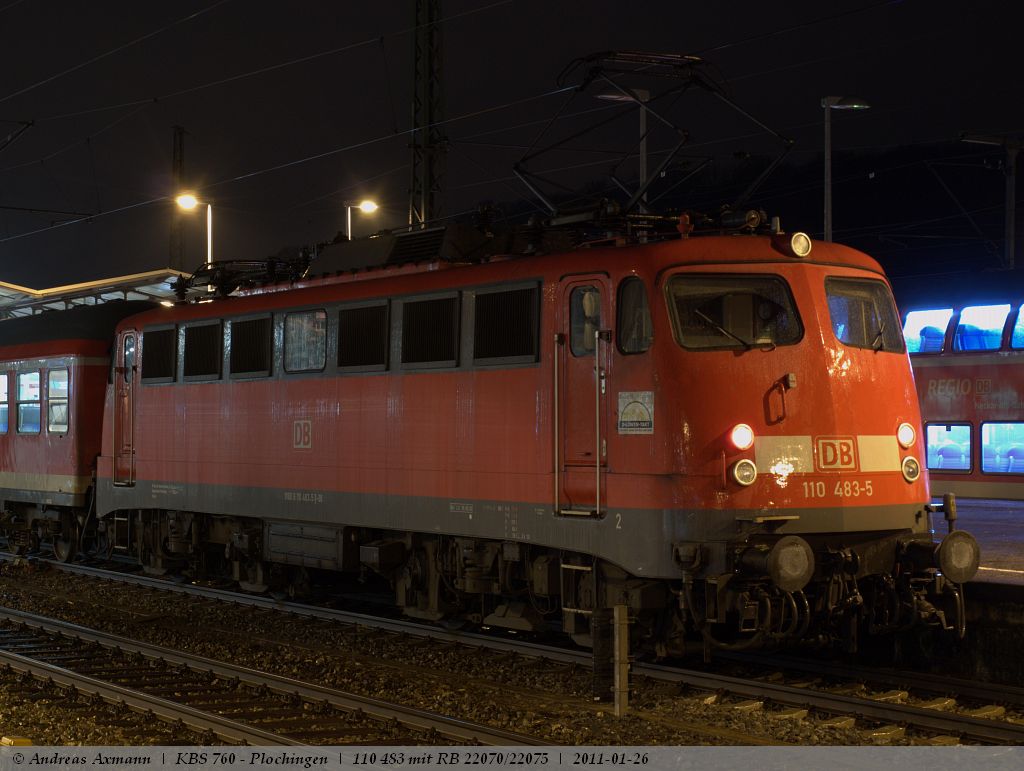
x: 189, y: 202
x: 366, y: 206
x: 830, y: 103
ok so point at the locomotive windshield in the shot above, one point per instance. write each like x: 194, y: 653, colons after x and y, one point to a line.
x: 730, y: 311
x: 864, y: 314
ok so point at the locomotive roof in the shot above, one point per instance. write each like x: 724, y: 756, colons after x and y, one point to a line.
x: 440, y: 274
x: 83, y: 322
x: 703, y: 249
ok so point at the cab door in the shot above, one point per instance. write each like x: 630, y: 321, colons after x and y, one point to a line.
x: 582, y: 356
x: 124, y: 408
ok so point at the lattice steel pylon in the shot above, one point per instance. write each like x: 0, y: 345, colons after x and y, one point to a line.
x: 176, y: 255
x: 429, y: 143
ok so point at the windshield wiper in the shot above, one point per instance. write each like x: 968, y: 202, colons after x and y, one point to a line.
x: 878, y: 343
x: 708, y: 320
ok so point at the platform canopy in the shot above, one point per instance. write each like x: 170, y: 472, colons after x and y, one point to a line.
x: 156, y: 285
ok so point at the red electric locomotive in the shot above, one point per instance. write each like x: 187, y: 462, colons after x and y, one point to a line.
x: 967, y: 363
x: 53, y: 376
x: 719, y: 432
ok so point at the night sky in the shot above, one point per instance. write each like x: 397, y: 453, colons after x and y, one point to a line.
x: 292, y: 110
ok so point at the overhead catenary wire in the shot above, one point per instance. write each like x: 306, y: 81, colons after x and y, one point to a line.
x: 112, y: 51
x: 142, y: 104
x: 375, y: 40
x: 286, y: 165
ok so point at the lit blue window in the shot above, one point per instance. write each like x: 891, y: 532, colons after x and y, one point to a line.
x: 948, y: 447
x: 980, y: 328
x: 1017, y: 338
x: 1002, y: 448
x: 3, y: 403
x: 924, y: 330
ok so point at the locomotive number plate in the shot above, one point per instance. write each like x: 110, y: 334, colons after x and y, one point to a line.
x: 847, y: 488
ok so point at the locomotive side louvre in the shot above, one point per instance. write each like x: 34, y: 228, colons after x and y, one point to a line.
x: 540, y: 437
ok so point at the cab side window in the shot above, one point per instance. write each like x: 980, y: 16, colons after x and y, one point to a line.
x: 635, y: 330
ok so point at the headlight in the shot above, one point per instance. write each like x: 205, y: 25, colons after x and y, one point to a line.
x: 744, y: 472
x: 742, y: 436
x: 906, y: 436
x: 911, y: 468
x: 800, y: 243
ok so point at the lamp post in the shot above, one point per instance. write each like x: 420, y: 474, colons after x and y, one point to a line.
x: 189, y: 202
x: 366, y: 206
x: 830, y: 103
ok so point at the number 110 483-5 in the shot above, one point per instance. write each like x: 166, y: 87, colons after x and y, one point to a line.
x: 843, y: 488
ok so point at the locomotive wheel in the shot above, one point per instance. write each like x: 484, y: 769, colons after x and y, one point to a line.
x: 300, y: 584
x: 65, y: 544
x: 252, y: 576
x: 289, y: 583
x: 97, y: 545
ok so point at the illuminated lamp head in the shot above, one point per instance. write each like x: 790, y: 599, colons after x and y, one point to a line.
x: 800, y: 243
x: 742, y: 436
x: 906, y: 435
x: 795, y: 245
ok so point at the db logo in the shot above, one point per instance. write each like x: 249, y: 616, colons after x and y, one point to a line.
x: 836, y: 453
x: 302, y: 434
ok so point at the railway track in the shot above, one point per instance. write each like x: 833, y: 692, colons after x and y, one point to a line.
x: 939, y: 710
x: 231, y: 703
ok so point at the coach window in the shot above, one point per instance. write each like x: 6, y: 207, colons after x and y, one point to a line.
x: 28, y: 403
x: 635, y: 330
x: 57, y: 401
x: 249, y: 341
x: 363, y: 337
x: 925, y: 330
x: 4, y: 378
x: 980, y: 328
x: 948, y: 446
x: 1017, y: 335
x: 505, y: 326
x: 1002, y: 448
x: 430, y: 332
x: 202, y: 351
x: 305, y: 341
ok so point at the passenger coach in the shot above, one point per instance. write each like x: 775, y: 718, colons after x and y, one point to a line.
x: 969, y: 367
x: 53, y: 376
